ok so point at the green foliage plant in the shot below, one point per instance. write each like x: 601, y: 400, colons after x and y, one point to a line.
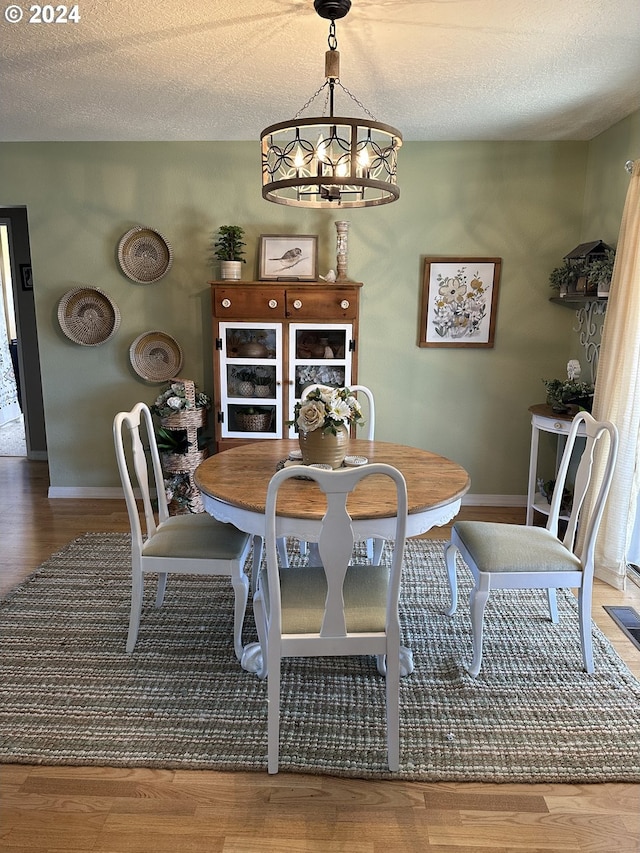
x: 229, y: 245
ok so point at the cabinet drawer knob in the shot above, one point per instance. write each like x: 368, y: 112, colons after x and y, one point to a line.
x: 344, y: 304
x: 226, y: 303
x: 297, y: 303
x: 273, y: 303
x: 558, y: 425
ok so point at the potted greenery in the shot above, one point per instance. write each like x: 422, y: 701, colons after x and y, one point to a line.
x: 262, y: 384
x: 564, y: 278
x: 229, y: 250
x: 562, y: 393
x: 600, y: 272
x: 245, y: 381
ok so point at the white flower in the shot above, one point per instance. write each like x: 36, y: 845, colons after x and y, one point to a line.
x: 175, y: 403
x: 339, y: 410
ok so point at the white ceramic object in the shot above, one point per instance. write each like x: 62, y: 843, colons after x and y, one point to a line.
x: 355, y: 461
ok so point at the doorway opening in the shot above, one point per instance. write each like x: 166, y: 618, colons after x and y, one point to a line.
x: 12, y: 429
x: 23, y: 361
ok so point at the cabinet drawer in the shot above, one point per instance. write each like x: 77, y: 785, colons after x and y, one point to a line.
x: 557, y: 425
x: 251, y: 303
x: 322, y: 304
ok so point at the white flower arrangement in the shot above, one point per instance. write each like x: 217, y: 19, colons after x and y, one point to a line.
x: 327, y: 409
x: 174, y: 399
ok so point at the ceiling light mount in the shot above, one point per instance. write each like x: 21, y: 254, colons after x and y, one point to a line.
x: 330, y: 161
x: 332, y: 10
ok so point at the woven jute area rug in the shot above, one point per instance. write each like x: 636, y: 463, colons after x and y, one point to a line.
x: 71, y: 695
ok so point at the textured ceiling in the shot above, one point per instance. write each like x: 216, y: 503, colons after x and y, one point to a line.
x: 224, y: 69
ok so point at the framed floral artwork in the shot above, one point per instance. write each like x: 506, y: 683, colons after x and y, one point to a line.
x: 459, y: 302
x: 288, y: 258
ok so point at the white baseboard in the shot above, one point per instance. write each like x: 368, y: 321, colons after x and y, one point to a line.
x: 110, y: 492
x: 494, y: 500
x: 89, y: 492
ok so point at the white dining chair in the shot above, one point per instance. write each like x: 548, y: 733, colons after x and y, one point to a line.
x: 374, y: 546
x: 180, y: 544
x: 336, y: 608
x: 508, y: 556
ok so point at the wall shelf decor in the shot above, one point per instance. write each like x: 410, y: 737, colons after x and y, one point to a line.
x: 587, y: 308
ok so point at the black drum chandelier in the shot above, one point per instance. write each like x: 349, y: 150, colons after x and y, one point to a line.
x: 330, y: 161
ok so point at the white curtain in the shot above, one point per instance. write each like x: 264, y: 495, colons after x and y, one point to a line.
x: 617, y: 393
x: 9, y: 407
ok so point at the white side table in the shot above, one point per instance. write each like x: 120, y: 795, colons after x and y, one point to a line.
x: 544, y: 419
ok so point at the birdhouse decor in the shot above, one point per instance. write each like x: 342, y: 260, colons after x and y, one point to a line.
x: 591, y: 265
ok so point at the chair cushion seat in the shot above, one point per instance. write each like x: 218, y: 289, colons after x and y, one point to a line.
x: 499, y: 547
x: 303, y: 592
x: 183, y: 536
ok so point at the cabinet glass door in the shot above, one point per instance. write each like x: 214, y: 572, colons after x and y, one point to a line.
x: 251, y: 380
x: 319, y: 353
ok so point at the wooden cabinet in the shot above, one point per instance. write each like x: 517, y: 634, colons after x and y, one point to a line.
x: 270, y: 341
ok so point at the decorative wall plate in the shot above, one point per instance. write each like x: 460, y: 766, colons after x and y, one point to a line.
x: 144, y: 255
x: 87, y: 316
x: 156, y: 356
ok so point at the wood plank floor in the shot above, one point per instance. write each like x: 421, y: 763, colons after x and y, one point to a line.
x: 55, y: 809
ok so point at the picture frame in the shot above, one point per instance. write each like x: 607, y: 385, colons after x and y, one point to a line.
x: 286, y: 257
x: 26, y: 276
x: 459, y: 302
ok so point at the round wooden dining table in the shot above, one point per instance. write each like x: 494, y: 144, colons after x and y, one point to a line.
x: 234, y: 489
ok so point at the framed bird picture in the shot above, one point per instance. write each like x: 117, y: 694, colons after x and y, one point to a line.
x: 288, y: 258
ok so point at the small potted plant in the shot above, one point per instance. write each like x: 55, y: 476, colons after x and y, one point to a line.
x: 245, y: 381
x: 564, y: 393
x: 600, y: 272
x: 229, y: 250
x: 262, y: 384
x: 564, y: 278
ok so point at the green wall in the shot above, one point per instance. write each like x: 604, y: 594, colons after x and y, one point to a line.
x: 523, y: 202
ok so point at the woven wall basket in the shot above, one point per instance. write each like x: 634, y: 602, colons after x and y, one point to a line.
x: 87, y: 316
x: 144, y: 255
x: 156, y: 356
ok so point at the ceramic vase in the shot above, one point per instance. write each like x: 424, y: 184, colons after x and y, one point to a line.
x: 324, y: 447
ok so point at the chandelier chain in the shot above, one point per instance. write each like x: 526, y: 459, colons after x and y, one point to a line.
x: 333, y: 39
x: 311, y: 100
x: 356, y: 101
